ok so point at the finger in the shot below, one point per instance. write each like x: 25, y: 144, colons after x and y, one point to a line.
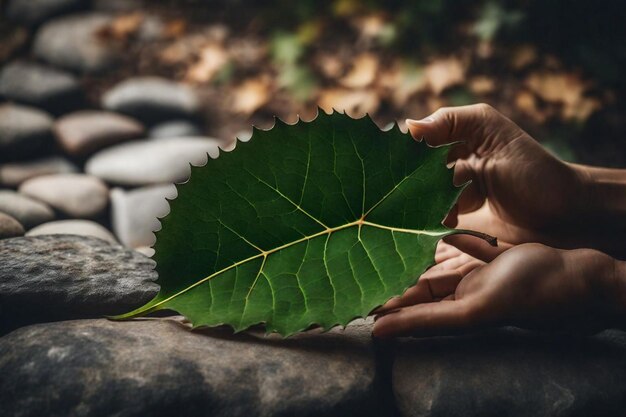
x: 445, y: 251
x: 438, y: 318
x: 451, y: 124
x: 430, y: 287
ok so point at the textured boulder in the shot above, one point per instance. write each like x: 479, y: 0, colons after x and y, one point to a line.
x: 60, y: 277
x: 160, y: 368
x: 512, y: 373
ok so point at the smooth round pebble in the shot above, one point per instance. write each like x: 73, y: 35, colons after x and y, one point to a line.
x: 13, y: 174
x: 73, y: 227
x: 86, y: 131
x: 23, y: 130
x: 135, y: 213
x: 27, y: 211
x: 151, y: 99
x: 75, y: 195
x: 151, y: 162
x: 174, y: 129
x: 10, y: 227
x: 51, y: 89
x: 73, y: 43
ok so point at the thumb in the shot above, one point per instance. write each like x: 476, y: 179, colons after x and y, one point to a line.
x: 452, y: 124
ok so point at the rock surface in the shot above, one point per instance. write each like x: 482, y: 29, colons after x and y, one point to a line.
x: 160, y: 368
x: 13, y: 174
x: 73, y: 227
x: 75, y: 195
x: 10, y: 227
x: 23, y: 130
x: 74, y: 43
x: 512, y: 373
x: 151, y: 99
x: 86, y: 131
x: 27, y: 211
x: 61, y: 277
x: 134, y: 213
x: 36, y: 11
x: 40, y: 86
x: 174, y: 129
x: 151, y: 162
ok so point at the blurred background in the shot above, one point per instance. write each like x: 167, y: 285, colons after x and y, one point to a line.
x: 124, y: 90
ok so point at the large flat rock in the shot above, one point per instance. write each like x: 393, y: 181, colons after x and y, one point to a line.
x: 161, y: 368
x: 61, y: 277
x: 512, y: 373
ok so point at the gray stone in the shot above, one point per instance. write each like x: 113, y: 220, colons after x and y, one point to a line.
x: 75, y: 43
x: 23, y: 130
x: 40, y: 86
x: 161, y: 368
x: 134, y: 213
x: 512, y: 373
x: 10, y: 227
x: 62, y: 277
x: 13, y: 174
x: 174, y: 129
x: 36, y: 11
x: 151, y: 162
x: 151, y: 99
x: 73, y: 227
x: 27, y: 211
x: 75, y: 195
x: 86, y: 131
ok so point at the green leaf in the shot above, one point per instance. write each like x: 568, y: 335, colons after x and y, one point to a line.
x: 314, y: 223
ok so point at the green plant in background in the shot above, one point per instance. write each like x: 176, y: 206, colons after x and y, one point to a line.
x: 314, y: 223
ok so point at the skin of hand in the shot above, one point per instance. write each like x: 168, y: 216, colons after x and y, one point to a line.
x: 519, y: 192
x: 530, y: 286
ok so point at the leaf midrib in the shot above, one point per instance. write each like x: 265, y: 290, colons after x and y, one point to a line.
x: 264, y: 254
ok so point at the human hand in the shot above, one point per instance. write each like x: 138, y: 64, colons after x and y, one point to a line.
x: 522, y: 191
x: 530, y: 286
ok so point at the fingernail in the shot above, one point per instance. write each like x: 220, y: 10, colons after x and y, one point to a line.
x: 425, y: 120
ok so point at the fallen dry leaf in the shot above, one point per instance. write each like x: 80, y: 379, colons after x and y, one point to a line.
x: 444, y: 73
x: 212, y: 58
x: 482, y: 85
x: 526, y: 102
x: 401, y: 82
x: 567, y: 89
x: 523, y: 56
x: 251, y: 95
x: 122, y: 27
x: 363, y: 72
x: 330, y: 66
x: 354, y: 102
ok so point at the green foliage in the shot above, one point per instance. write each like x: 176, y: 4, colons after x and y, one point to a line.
x: 314, y: 223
